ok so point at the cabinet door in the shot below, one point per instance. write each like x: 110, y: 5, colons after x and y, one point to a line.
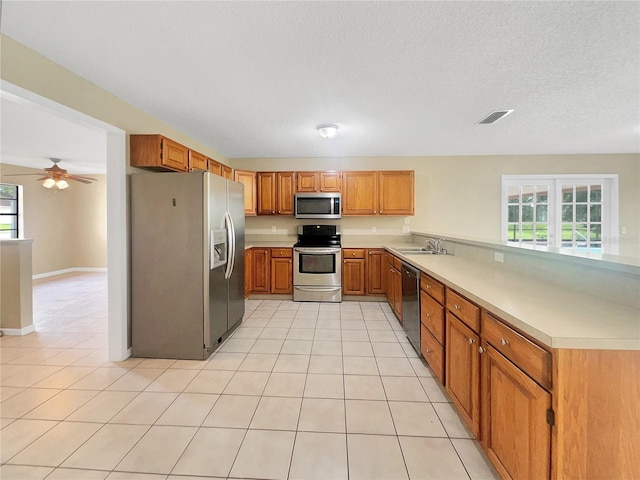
x: 248, y: 179
x: 390, y: 290
x: 260, y: 270
x: 359, y: 193
x: 515, y: 433
x: 247, y: 272
x: 463, y: 371
x: 374, y: 267
x: 285, y: 190
x: 227, y: 172
x: 281, y: 275
x: 433, y: 352
x: 266, y: 187
x: 215, y: 167
x: 330, y: 181
x: 174, y: 155
x: 353, y: 279
x: 307, y: 182
x: 197, y: 161
x: 396, y: 192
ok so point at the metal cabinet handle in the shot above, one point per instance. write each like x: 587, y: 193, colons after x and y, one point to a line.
x: 457, y: 307
x: 429, y: 315
x: 428, y: 286
x: 504, y: 342
x: 481, y: 350
x: 427, y: 350
x: 471, y: 341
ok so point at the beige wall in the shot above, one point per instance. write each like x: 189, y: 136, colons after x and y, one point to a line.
x: 31, y: 71
x: 460, y: 196
x: 68, y: 227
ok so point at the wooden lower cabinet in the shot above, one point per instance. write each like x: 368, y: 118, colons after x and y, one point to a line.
x: 432, y: 351
x: 375, y: 272
x: 463, y: 370
x: 515, y: 432
x: 260, y: 270
x: 281, y: 270
x: 247, y: 272
x: 353, y: 280
x: 396, y: 284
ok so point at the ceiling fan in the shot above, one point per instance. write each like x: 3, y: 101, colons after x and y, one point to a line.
x: 57, y: 177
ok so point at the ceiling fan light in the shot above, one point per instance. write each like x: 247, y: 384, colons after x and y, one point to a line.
x: 61, y: 184
x: 48, y: 183
x: 327, y: 130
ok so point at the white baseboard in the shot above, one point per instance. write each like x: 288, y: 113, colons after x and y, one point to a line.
x: 68, y: 270
x: 19, y: 331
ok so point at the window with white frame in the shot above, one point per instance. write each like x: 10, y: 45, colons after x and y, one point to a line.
x: 10, y: 211
x: 566, y: 211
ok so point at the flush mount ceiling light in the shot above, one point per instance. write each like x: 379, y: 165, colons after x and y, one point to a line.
x: 327, y: 130
x: 494, y: 117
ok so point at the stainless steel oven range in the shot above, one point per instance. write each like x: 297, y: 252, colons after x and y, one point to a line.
x: 317, y: 264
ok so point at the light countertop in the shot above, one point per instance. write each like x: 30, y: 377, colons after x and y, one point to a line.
x: 556, y: 316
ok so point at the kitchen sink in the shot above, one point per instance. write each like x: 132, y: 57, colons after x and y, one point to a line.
x: 417, y: 251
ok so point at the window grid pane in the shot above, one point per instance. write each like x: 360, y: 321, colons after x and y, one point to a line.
x: 527, y: 214
x: 9, y: 211
x: 582, y: 217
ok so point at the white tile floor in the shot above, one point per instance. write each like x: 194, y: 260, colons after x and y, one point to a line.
x: 300, y: 391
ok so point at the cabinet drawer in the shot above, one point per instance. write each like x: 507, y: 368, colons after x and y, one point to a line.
x: 432, y: 287
x: 465, y: 310
x: 432, y: 316
x: 353, y: 253
x: 529, y: 357
x: 432, y: 352
x: 397, y: 263
x: 281, y: 253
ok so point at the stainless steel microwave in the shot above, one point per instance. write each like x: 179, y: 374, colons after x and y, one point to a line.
x: 318, y: 205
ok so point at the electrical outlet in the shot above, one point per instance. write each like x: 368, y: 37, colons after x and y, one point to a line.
x: 273, y: 229
x: 374, y: 229
x: 624, y: 230
x: 498, y: 257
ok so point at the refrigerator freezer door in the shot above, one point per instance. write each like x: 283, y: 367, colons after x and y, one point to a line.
x: 167, y: 250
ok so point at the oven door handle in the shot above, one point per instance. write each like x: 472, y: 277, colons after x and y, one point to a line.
x: 317, y: 289
x: 319, y: 251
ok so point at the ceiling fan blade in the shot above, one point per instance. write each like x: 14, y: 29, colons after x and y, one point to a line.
x: 20, y: 174
x: 42, y: 178
x: 77, y: 179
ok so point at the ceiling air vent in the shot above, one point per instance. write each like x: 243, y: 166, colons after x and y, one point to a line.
x: 494, y: 117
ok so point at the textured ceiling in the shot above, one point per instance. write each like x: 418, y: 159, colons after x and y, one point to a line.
x: 253, y: 79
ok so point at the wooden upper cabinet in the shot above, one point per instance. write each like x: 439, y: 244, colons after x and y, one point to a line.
x: 275, y: 192
x: 227, y: 172
x: 360, y: 193
x: 286, y: 188
x: 308, y: 182
x: 248, y: 179
x: 396, y: 192
x: 378, y: 193
x: 320, y: 182
x: 266, y: 188
x: 158, y: 153
x: 197, y: 161
x: 215, y: 167
x: 330, y: 182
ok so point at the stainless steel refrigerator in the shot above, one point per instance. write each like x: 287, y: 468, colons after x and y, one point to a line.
x: 187, y: 263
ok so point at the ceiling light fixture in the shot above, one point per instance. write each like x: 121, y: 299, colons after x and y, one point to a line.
x: 327, y: 130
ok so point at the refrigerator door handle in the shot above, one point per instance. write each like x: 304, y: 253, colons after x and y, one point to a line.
x: 231, y: 238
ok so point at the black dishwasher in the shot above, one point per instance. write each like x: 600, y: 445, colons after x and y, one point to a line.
x: 411, y: 305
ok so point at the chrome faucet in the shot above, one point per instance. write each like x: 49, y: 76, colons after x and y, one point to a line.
x: 436, y: 244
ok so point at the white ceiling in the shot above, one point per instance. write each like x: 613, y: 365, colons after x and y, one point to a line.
x: 253, y: 79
